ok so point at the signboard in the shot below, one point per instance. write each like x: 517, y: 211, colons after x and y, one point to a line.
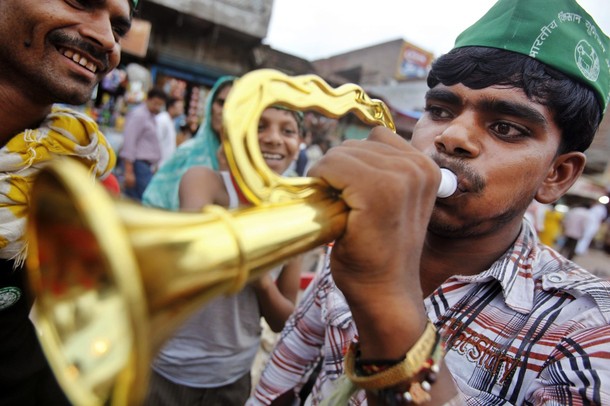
x: 413, y: 62
x: 136, y: 40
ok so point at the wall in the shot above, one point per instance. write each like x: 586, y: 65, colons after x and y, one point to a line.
x: 195, y: 45
x: 380, y: 64
x: 250, y: 17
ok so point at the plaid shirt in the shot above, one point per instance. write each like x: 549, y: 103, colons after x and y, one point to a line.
x: 532, y: 329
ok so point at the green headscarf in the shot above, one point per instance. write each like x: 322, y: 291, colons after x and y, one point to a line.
x: 162, y: 191
x: 558, y: 33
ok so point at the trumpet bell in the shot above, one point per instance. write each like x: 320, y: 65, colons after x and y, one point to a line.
x: 113, y: 280
x: 90, y: 306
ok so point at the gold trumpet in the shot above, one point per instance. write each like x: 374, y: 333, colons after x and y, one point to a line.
x: 113, y: 279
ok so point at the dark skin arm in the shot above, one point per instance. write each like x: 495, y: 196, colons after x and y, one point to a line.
x: 376, y: 262
x: 129, y: 174
x: 277, y: 298
x: 199, y: 187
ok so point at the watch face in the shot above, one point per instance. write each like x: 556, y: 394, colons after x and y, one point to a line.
x: 9, y: 296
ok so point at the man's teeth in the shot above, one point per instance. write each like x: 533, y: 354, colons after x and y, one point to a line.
x: 277, y: 157
x: 79, y: 59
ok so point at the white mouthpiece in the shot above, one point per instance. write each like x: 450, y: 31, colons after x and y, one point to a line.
x: 448, y: 184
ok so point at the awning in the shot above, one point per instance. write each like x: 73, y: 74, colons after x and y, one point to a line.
x: 585, y: 187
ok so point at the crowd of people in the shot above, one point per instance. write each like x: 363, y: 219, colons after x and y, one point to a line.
x: 154, y: 130
x: 573, y: 229
x: 421, y: 300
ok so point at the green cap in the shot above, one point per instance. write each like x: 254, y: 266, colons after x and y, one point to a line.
x: 558, y: 33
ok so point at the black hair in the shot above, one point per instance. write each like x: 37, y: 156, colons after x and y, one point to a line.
x: 574, y: 106
x: 224, y: 84
x: 156, y: 92
x: 300, y: 119
x: 170, y: 101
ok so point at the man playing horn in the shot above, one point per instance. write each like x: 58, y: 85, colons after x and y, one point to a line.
x: 454, y: 301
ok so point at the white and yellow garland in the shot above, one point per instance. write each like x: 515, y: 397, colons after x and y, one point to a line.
x: 64, y: 132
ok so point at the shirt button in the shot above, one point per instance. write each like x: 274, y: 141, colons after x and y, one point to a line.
x: 556, y: 277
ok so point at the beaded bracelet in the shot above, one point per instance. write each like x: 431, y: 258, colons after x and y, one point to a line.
x: 421, y: 361
x: 418, y: 391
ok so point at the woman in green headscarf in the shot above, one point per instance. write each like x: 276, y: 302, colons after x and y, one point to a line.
x: 162, y: 191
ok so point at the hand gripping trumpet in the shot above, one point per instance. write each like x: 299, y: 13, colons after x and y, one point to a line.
x: 113, y: 279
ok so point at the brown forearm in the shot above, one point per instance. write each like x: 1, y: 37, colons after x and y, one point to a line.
x: 275, y: 308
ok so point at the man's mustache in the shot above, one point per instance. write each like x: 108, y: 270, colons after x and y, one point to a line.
x: 460, y: 167
x: 60, y: 38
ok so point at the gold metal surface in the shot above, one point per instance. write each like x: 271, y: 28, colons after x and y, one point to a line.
x: 114, y: 279
x: 259, y: 89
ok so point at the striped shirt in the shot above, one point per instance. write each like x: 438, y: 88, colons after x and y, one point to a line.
x: 533, y: 329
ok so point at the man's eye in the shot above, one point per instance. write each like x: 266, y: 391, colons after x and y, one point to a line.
x: 507, y: 130
x: 120, y: 32
x: 78, y: 4
x: 437, y: 112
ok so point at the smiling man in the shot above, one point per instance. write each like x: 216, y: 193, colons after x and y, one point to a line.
x: 455, y: 301
x: 53, y: 51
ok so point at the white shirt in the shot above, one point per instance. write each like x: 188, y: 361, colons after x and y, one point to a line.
x: 166, y: 131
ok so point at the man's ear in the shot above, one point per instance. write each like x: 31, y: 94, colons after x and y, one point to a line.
x: 561, y: 176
